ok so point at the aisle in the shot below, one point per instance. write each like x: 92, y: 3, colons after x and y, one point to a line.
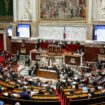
x: 60, y: 98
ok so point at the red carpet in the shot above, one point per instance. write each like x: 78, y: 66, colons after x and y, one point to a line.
x: 60, y: 98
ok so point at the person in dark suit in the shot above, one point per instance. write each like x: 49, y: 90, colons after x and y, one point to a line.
x: 24, y: 94
x: 1, y: 89
x: 36, y: 68
x: 1, y: 69
x: 17, y: 55
x: 58, y: 85
x: 27, y: 61
x: 40, y: 92
x: 2, y: 103
x: 30, y: 71
x: 99, y: 64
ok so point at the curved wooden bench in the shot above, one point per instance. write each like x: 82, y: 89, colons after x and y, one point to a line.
x: 86, y: 101
x: 37, y: 101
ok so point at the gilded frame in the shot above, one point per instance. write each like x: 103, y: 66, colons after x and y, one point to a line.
x: 68, y: 19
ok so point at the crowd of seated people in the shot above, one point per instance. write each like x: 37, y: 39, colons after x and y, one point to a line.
x: 25, y: 88
x: 7, y: 74
x: 94, y: 77
x: 67, y: 78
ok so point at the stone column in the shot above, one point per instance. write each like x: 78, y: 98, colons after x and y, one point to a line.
x: 96, y: 10
x: 90, y: 12
x: 15, y: 3
x: 35, y: 10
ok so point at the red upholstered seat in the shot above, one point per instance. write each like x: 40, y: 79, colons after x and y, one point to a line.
x: 2, y: 59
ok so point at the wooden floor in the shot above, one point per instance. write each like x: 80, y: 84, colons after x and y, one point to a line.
x: 47, y: 74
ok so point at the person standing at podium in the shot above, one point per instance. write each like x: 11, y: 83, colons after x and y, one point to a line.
x: 27, y: 61
x: 17, y: 55
x: 36, y: 68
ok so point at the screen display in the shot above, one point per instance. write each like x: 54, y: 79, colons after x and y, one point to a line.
x: 9, y: 31
x: 99, y: 33
x: 23, y: 31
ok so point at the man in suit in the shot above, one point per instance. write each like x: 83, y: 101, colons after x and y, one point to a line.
x: 1, y: 103
x: 18, y: 55
x: 35, y: 69
x: 99, y: 64
x: 27, y: 61
x: 24, y: 94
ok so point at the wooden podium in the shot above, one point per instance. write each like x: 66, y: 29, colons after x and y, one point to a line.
x: 49, y: 74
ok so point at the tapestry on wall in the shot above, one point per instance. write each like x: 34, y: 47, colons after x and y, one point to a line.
x: 70, y: 10
x: 6, y: 10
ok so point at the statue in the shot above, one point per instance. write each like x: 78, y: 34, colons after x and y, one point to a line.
x: 27, y: 8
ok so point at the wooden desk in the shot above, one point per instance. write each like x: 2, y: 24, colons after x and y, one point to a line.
x: 6, y: 84
x: 57, y: 58
x: 47, y: 74
x: 36, y: 101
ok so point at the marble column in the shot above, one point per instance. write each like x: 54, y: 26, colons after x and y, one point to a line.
x: 97, y: 10
x: 90, y: 12
x: 35, y: 10
x: 15, y: 10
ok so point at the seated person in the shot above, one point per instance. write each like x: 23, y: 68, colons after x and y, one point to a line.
x: 40, y: 92
x: 1, y: 89
x: 25, y: 95
x: 17, y: 103
x: 72, y: 92
x: 27, y: 61
x: 1, y: 69
x: 103, y: 91
x: 8, y: 93
x: 90, y: 93
x: 1, y: 103
x: 85, y: 89
x: 32, y: 91
x: 51, y: 91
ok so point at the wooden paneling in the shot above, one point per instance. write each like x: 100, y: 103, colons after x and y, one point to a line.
x: 1, y: 41
x: 14, y: 47
x: 17, y: 46
x: 47, y: 74
x: 8, y: 42
x: 91, y: 53
x: 29, y: 46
